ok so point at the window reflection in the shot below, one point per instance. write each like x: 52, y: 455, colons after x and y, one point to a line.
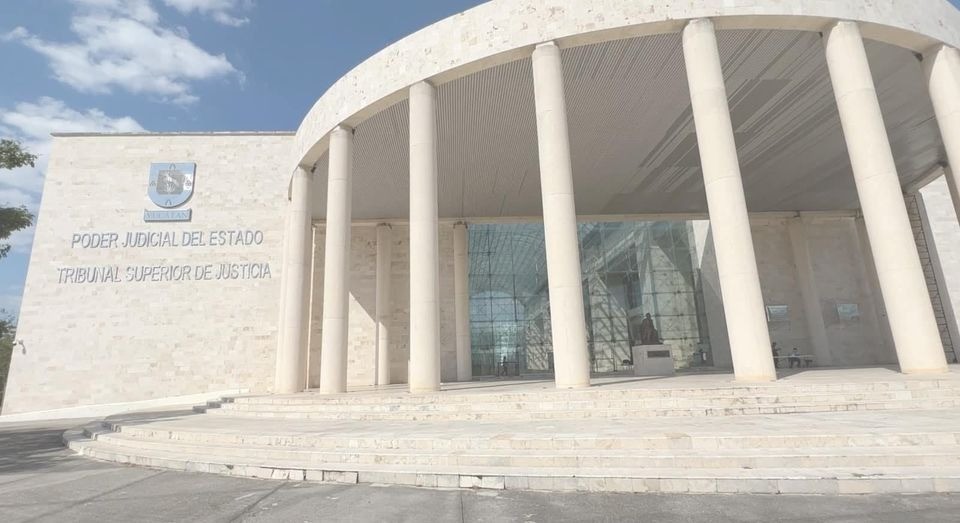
x: 629, y: 269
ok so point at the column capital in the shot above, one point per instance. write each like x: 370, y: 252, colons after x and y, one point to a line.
x: 385, y: 225
x: 300, y: 176
x: 939, y: 56
x: 550, y: 44
x: 698, y: 21
x: 933, y: 51
x: 460, y: 224
x: 423, y: 84
x: 833, y: 24
x: 342, y: 128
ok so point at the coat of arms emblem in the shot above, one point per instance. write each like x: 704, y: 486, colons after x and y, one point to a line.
x: 171, y: 184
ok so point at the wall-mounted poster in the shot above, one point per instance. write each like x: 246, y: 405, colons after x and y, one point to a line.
x: 777, y: 313
x: 848, y: 311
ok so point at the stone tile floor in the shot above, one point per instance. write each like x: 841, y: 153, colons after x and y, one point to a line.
x: 786, y: 377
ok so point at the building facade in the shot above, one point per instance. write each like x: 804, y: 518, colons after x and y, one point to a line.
x: 511, y: 191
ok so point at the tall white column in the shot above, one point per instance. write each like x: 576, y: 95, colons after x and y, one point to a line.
x: 816, y: 328
x: 902, y: 284
x: 336, y: 269
x: 384, y: 303
x: 295, y: 309
x: 877, y: 312
x: 942, y: 65
x: 952, y: 185
x: 461, y: 286
x: 569, y: 329
x: 424, y: 372
x: 726, y: 203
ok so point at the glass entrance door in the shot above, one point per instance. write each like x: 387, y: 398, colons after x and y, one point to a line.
x: 630, y: 269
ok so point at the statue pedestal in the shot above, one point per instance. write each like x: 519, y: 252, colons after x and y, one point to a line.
x: 652, y: 360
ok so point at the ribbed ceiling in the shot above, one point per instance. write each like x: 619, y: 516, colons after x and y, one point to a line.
x: 632, y: 138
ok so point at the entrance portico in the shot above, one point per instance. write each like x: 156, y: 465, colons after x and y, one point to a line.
x: 520, y: 199
x: 727, y: 119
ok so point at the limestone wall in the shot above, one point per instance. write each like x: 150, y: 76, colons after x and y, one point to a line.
x: 837, y: 258
x: 175, y: 333
x: 362, y: 324
x: 840, y: 274
x: 937, y: 230
x: 839, y: 277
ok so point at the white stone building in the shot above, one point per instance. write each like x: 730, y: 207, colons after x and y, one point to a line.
x: 746, y: 171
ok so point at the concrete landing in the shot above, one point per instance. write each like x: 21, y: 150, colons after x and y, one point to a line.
x: 831, y: 390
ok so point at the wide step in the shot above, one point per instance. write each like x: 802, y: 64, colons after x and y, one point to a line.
x: 538, y: 412
x: 601, y: 403
x: 672, y: 479
x: 829, y: 457
x: 800, y: 436
x: 511, y: 439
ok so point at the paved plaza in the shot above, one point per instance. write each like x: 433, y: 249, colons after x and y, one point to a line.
x: 40, y: 481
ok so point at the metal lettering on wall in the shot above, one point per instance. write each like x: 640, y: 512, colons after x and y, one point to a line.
x: 166, y: 272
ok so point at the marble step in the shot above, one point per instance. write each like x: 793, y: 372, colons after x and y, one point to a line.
x: 532, y: 441
x: 492, y: 402
x: 945, y: 456
x: 786, y: 480
x: 549, y: 394
x: 534, y: 412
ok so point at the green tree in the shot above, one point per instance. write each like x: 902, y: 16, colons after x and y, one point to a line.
x: 13, y: 155
x: 13, y: 219
x: 8, y: 326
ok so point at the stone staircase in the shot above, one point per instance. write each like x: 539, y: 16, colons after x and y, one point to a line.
x: 588, y: 404
x: 897, y: 435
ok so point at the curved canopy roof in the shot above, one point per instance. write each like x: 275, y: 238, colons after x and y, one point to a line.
x: 633, y: 143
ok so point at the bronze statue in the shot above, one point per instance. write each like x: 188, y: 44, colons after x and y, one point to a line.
x: 648, y: 333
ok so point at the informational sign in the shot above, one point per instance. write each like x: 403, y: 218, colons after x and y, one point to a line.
x: 848, y: 311
x: 776, y: 313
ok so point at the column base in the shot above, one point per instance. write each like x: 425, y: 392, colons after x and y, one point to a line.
x: 424, y: 391
x: 573, y: 385
x: 287, y: 390
x: 335, y: 391
x: 755, y: 379
x: 936, y: 370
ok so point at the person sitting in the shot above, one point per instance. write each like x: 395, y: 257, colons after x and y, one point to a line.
x: 794, y: 358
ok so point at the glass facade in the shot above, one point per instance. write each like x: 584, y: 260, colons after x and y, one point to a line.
x: 630, y: 269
